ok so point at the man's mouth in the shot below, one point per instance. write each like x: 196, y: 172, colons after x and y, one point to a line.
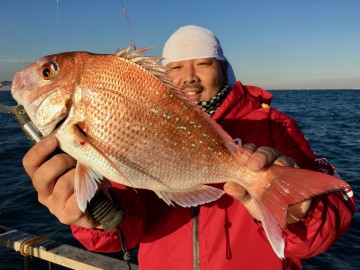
x: 193, y: 91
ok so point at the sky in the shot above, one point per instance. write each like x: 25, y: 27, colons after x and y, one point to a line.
x: 274, y: 44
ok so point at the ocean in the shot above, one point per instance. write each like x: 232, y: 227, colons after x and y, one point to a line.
x: 330, y: 119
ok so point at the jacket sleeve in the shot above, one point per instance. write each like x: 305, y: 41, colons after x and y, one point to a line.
x: 330, y: 215
x: 132, y: 226
x: 328, y: 218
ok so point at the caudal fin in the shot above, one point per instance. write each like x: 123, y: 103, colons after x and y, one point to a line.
x: 288, y: 186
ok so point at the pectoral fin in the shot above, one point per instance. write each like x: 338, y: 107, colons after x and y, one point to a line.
x: 86, y: 184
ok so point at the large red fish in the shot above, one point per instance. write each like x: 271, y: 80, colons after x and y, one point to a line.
x: 121, y: 117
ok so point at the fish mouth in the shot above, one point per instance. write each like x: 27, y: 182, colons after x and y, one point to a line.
x: 52, y: 126
x: 49, y: 110
x: 59, y: 123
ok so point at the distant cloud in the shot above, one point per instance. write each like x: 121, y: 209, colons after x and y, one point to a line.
x: 321, y: 83
x: 14, y: 61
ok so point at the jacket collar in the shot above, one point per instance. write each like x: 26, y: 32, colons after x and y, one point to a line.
x: 242, y: 100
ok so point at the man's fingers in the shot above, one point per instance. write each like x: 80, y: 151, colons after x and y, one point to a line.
x: 45, y: 177
x: 236, y: 191
x: 263, y: 157
x: 285, y: 161
x: 249, y: 148
x: 61, y: 189
x: 239, y: 193
x: 53, y: 178
x: 44, y: 173
x: 38, y: 154
x: 247, y: 151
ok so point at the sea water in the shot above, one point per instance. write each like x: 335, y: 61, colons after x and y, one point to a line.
x: 329, y: 119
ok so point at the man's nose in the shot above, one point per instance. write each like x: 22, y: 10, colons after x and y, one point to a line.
x: 189, y: 76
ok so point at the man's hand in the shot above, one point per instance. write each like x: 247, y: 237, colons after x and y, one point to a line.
x: 53, y: 179
x: 257, y: 159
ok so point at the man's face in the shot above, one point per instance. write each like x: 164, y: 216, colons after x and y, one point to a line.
x: 200, y: 78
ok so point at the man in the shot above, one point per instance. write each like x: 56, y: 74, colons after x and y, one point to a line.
x: 224, y: 234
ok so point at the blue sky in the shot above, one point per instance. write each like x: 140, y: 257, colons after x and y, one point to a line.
x: 275, y: 44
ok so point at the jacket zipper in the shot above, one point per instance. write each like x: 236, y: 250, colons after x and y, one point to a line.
x: 195, y: 235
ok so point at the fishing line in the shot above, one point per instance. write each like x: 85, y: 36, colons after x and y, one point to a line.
x: 129, y: 25
x: 57, y: 25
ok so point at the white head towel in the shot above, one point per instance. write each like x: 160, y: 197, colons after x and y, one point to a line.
x: 194, y: 42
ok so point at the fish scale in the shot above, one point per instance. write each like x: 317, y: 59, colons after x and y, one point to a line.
x: 162, y: 117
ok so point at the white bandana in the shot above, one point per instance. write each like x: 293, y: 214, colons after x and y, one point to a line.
x: 194, y: 42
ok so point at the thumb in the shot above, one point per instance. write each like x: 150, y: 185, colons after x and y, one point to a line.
x: 237, y: 191
x: 240, y: 193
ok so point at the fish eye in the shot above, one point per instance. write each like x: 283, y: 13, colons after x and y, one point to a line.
x: 48, y: 70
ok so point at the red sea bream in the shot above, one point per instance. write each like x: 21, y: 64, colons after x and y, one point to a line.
x: 121, y: 117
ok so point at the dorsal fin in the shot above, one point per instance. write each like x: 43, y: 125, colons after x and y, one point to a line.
x: 150, y: 63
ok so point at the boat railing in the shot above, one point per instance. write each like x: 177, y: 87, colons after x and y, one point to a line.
x: 68, y: 256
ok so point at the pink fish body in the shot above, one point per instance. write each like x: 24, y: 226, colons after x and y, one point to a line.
x: 122, y: 118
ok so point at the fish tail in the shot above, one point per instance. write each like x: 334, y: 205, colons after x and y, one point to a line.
x: 287, y: 186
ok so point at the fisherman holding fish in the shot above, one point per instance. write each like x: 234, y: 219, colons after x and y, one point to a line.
x: 261, y: 222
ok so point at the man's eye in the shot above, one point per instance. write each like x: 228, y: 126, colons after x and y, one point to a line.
x: 174, y: 68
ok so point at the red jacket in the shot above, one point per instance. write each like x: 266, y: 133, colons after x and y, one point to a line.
x: 226, y: 236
